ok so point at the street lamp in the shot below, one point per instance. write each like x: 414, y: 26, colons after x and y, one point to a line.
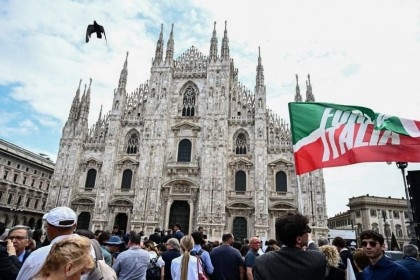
x: 402, y: 166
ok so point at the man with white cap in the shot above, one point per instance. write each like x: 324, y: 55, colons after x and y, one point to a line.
x: 60, y: 223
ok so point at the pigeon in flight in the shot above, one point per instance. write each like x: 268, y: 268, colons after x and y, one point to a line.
x: 92, y: 28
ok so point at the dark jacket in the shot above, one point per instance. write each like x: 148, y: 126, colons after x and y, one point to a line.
x: 167, y: 257
x: 336, y: 274
x: 9, y: 266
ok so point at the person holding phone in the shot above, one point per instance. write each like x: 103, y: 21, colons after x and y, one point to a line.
x: 9, y: 262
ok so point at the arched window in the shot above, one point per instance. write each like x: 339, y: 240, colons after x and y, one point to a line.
x: 398, y: 230
x: 240, y: 146
x: 281, y: 182
x: 126, y: 180
x: 184, y: 150
x: 188, y: 104
x: 240, y: 181
x: 132, y: 144
x: 90, y: 179
x: 375, y: 227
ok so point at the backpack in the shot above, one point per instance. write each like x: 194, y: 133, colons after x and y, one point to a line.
x: 153, y: 270
x: 102, y: 271
x: 198, y: 255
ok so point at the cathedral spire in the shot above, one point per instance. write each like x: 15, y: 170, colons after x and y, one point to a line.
x: 298, y: 97
x: 75, y: 104
x: 98, y: 122
x: 225, y: 45
x: 159, y: 48
x: 123, y: 77
x: 213, y: 45
x: 309, y: 95
x: 170, y: 46
x: 260, y: 71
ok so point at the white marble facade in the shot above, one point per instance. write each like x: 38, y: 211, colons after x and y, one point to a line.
x: 191, y: 145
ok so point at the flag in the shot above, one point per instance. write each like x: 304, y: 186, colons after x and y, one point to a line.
x: 327, y: 135
x: 394, y: 243
x: 349, y: 271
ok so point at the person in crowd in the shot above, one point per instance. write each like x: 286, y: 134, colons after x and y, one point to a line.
x: 244, y: 249
x: 149, y: 246
x: 168, y: 236
x: 345, y: 253
x: 227, y: 261
x: 273, y: 243
x: 322, y: 241
x: 20, y: 235
x: 249, y: 261
x: 236, y: 244
x: 311, y: 244
x: 36, y: 236
x: 333, y: 259
x: 60, y: 223
x: 201, y: 253
x: 114, y: 245
x: 132, y: 263
x: 68, y: 259
x: 86, y: 233
x: 361, y: 261
x: 172, y: 252
x: 270, y: 248
x: 380, y: 266
x: 410, y: 261
x: 178, y: 234
x: 155, y: 237
x: 97, y: 233
x: 9, y: 262
x: 102, y: 239
x: 116, y: 231
x: 291, y: 261
x: 185, y: 267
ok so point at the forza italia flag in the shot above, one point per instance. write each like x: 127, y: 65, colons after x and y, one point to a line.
x: 327, y: 135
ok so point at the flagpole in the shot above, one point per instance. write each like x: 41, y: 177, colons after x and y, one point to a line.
x: 300, y: 200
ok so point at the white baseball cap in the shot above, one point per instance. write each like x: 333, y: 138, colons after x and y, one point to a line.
x: 61, y: 217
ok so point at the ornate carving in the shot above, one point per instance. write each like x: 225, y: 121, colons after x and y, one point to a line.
x: 180, y: 188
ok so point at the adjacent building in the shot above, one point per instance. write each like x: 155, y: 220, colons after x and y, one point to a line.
x: 192, y: 145
x: 24, y: 184
x: 384, y: 215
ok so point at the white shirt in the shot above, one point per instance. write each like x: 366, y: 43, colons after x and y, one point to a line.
x: 192, y: 268
x: 160, y: 262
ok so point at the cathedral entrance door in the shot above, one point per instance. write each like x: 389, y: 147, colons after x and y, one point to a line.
x: 180, y: 214
x: 83, y: 220
x: 31, y: 223
x: 121, y: 220
x: 240, y: 228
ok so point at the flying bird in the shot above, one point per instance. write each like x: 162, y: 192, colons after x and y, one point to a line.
x: 92, y: 28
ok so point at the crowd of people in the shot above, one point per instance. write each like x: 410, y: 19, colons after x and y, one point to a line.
x: 67, y: 253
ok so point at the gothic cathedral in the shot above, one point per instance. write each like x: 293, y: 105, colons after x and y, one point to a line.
x: 192, y: 145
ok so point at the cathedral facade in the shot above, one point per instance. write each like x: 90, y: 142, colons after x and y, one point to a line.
x: 192, y: 145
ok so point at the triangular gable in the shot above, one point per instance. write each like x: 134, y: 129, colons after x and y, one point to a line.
x: 126, y: 160
x: 185, y: 125
x: 240, y: 205
x: 241, y: 161
x: 281, y: 161
x: 92, y: 160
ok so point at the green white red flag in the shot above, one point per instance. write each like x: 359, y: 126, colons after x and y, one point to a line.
x: 327, y: 135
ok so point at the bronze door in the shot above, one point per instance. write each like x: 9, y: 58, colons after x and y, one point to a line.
x: 180, y: 214
x: 240, y: 228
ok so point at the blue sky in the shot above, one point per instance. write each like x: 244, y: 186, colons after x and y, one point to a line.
x: 359, y: 53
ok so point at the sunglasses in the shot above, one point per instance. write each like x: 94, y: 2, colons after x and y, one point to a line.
x: 18, y: 238
x: 371, y: 243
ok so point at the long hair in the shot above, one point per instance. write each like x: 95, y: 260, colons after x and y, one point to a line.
x: 187, y: 243
x: 75, y: 250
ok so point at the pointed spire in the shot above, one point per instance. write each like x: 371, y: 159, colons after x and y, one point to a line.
x: 75, y: 103
x: 159, y: 48
x: 298, y: 97
x: 213, y: 45
x: 309, y: 95
x: 260, y: 71
x: 123, y: 77
x: 170, y: 46
x: 98, y: 122
x: 225, y: 45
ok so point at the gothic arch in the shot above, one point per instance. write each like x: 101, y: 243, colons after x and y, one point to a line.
x: 241, y: 142
x: 132, y: 142
x: 189, y: 93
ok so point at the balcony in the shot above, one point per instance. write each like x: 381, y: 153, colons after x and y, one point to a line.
x: 240, y: 194
x: 273, y: 196
x: 182, y: 168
